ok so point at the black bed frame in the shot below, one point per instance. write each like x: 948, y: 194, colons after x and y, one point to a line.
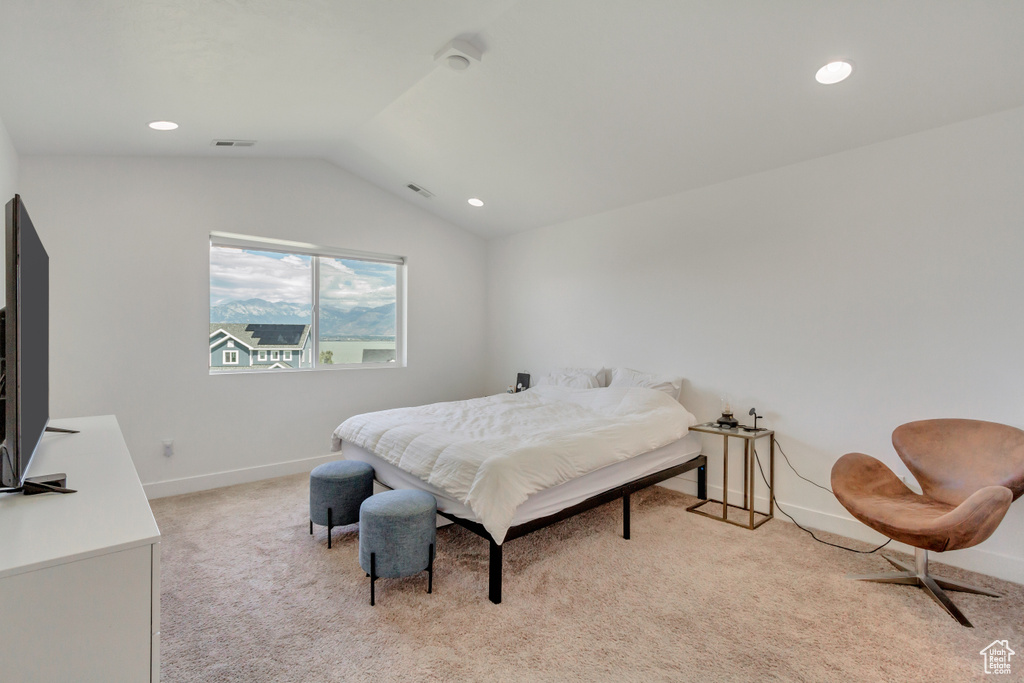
x: 698, y: 463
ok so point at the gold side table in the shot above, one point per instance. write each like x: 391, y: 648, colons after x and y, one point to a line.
x: 749, y: 463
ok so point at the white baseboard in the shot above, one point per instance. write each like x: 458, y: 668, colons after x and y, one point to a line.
x: 202, y: 482
x: 974, y: 559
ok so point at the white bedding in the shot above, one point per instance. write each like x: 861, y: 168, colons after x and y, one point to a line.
x: 491, y: 453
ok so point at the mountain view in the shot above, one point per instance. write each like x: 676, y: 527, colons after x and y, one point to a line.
x: 359, y: 322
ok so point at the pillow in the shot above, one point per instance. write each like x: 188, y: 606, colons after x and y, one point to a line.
x: 624, y: 377
x: 573, y: 380
x: 600, y: 374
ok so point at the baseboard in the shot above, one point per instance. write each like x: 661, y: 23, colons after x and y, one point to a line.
x: 975, y: 559
x: 203, y: 482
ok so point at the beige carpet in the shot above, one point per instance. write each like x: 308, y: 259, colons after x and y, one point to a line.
x: 249, y: 595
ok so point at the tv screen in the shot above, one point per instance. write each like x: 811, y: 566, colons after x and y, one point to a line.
x: 26, y: 341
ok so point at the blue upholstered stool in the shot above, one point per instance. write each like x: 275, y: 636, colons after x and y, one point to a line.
x: 397, y: 532
x: 336, y: 489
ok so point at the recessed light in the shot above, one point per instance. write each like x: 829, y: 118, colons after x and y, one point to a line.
x: 833, y: 72
x: 475, y: 202
x: 163, y: 125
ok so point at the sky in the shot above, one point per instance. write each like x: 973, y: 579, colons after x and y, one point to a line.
x: 240, y: 274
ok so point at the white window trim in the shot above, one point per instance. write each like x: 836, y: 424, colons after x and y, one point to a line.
x: 275, y: 355
x: 262, y: 354
x: 227, y: 354
x: 286, y: 355
x: 230, y: 239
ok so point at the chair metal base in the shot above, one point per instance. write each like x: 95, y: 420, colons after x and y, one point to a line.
x: 917, y: 575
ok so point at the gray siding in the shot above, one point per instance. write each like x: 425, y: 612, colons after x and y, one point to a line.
x: 217, y: 354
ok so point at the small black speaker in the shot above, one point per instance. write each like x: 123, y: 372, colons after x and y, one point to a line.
x: 522, y: 381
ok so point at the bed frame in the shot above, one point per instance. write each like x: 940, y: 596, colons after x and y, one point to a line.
x: 698, y: 463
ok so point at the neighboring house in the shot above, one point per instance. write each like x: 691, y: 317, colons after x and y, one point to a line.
x: 260, y: 346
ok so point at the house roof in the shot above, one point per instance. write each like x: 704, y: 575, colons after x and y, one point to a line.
x: 265, y: 336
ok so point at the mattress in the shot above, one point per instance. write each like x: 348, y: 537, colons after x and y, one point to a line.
x: 491, y: 454
x: 549, y: 501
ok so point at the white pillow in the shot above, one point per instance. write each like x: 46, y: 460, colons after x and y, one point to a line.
x: 573, y: 380
x: 598, y: 373
x: 624, y: 377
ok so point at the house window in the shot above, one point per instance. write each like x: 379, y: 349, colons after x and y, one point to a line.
x: 348, y: 305
x: 231, y: 358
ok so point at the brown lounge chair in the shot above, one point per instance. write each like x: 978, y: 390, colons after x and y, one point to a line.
x: 969, y: 471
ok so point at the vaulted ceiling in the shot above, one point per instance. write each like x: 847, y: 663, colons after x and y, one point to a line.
x: 576, y: 106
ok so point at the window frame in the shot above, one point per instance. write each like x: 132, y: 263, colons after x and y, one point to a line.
x: 229, y: 352
x: 316, y: 252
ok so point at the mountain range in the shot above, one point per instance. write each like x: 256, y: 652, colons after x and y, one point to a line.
x: 357, y: 322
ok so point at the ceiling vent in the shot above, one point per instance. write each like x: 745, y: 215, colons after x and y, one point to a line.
x: 420, y: 191
x: 233, y: 143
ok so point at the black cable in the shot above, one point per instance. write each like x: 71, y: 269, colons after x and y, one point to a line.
x: 779, y: 446
x: 776, y: 501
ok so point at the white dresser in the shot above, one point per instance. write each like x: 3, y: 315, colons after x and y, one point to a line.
x: 80, y: 573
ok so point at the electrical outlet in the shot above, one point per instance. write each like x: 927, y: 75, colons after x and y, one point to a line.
x: 168, y: 447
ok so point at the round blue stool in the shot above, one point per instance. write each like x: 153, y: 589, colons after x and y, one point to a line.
x: 397, y: 533
x: 336, y: 489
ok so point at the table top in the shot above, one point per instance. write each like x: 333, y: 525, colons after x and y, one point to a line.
x: 739, y: 432
x: 108, y: 513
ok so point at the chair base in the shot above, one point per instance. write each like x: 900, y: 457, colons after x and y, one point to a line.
x: 917, y: 575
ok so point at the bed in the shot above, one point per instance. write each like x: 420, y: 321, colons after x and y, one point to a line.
x: 504, y: 466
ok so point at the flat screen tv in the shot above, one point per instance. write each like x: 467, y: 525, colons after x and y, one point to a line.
x: 25, y: 380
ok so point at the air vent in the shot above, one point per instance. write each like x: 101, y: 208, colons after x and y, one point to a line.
x: 420, y: 191
x: 233, y: 143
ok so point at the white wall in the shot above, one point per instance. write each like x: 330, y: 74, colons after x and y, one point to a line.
x: 8, y: 167
x: 842, y: 296
x: 128, y: 240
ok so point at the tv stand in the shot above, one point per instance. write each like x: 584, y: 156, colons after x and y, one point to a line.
x: 80, y: 575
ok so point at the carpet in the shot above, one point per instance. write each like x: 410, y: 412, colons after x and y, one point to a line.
x: 248, y: 595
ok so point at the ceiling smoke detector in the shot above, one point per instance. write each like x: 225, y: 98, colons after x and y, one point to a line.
x: 458, y: 55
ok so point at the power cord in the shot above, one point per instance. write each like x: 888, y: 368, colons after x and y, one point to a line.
x: 757, y: 459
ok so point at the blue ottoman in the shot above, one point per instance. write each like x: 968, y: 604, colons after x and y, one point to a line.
x: 336, y: 489
x: 397, y: 532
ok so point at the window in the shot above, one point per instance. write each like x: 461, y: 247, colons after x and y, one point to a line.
x: 231, y: 358
x: 338, y: 308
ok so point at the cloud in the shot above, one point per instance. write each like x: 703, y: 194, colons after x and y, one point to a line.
x: 237, y: 275
x: 346, y: 284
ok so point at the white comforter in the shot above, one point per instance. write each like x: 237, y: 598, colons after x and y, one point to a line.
x: 492, y: 453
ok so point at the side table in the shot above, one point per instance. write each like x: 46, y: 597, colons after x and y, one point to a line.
x: 748, y: 437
